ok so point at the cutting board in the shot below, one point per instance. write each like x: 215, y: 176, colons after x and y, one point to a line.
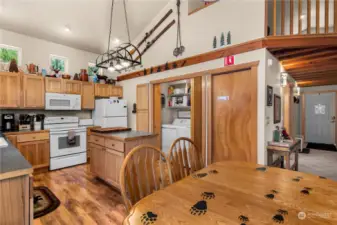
x: 110, y: 129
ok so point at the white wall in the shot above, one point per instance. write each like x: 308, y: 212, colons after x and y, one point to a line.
x: 272, y: 79
x: 37, y: 51
x: 244, y: 19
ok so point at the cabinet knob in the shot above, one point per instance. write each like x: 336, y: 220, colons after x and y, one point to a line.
x: 113, y: 145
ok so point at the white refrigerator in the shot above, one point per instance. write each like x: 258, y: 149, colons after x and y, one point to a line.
x: 110, y: 112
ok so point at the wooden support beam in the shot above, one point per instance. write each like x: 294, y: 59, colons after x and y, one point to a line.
x: 311, y: 57
x: 208, y: 56
x: 299, y: 17
x: 294, y: 53
x: 317, y: 16
x: 308, y: 16
x: 298, y: 41
x: 291, y: 17
x: 326, y: 16
x: 266, y: 25
x: 283, y: 3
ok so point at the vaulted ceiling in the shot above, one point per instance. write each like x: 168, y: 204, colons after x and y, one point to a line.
x: 88, y: 20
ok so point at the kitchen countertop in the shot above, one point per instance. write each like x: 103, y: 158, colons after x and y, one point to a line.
x: 25, y: 132
x: 12, y: 163
x: 125, y: 135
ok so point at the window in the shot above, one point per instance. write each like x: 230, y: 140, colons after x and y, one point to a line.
x: 197, y: 5
x: 58, y: 63
x: 7, y: 53
x: 92, y: 69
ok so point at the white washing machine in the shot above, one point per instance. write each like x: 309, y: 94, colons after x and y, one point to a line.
x: 170, y: 132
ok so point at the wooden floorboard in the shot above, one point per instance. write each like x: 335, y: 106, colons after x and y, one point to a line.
x: 84, y: 199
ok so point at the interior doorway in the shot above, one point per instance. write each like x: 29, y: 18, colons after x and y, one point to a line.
x: 320, y: 117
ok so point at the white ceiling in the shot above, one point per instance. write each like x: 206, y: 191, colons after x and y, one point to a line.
x: 87, y: 19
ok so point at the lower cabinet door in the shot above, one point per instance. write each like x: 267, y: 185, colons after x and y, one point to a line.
x: 97, y: 160
x: 113, y: 164
x: 37, y: 153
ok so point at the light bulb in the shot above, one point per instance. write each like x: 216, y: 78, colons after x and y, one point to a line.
x: 111, y: 68
x: 118, y: 67
x: 125, y: 64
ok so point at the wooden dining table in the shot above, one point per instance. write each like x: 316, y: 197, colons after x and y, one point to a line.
x: 239, y: 193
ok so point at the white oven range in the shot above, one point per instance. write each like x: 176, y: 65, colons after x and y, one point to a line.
x: 67, y: 142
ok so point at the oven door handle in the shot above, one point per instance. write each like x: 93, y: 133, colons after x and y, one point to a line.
x: 66, y: 132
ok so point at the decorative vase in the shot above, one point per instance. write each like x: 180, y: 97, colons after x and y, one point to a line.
x: 84, y: 75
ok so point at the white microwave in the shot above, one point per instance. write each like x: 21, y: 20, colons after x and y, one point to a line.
x: 56, y: 101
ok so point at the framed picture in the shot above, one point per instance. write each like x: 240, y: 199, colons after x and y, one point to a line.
x: 7, y: 53
x: 269, y: 95
x: 58, y: 63
x: 277, y: 109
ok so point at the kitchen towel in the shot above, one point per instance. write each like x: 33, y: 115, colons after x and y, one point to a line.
x: 71, y: 137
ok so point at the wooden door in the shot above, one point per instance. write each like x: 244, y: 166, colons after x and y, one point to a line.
x: 53, y: 85
x: 102, y: 90
x: 33, y: 92
x: 97, y: 160
x: 9, y: 90
x: 113, y: 163
x: 157, y: 112
x: 142, y: 116
x: 72, y: 87
x: 37, y: 153
x: 234, y: 116
x: 88, y: 95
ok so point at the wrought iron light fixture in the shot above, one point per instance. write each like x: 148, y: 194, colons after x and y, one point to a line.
x: 124, y: 56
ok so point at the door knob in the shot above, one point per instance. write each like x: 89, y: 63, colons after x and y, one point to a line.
x: 333, y: 119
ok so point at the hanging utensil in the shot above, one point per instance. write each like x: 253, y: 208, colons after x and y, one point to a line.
x: 179, y: 47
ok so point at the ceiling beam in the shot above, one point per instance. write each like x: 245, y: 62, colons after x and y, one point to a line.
x: 319, y: 58
x: 298, y: 52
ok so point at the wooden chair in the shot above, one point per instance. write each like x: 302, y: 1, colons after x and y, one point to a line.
x: 145, y: 170
x: 184, y: 158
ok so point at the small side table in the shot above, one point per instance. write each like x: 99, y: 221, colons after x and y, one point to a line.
x: 286, y: 153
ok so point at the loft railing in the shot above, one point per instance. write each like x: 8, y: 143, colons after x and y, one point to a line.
x: 301, y: 17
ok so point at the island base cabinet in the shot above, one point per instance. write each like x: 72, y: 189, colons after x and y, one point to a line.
x: 113, y: 164
x: 97, y: 160
x: 15, y: 201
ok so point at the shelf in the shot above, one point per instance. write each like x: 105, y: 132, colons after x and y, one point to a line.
x: 179, y: 107
x: 178, y: 95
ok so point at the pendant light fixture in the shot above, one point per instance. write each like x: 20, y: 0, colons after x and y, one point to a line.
x: 122, y: 57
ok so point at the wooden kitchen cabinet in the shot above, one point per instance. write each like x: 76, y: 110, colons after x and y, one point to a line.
x: 34, y: 146
x: 107, y: 90
x: 71, y: 87
x: 33, y: 91
x: 88, y: 95
x: 53, y: 85
x: 113, y: 164
x: 97, y: 160
x: 116, y: 91
x: 9, y: 90
x: 102, y: 90
x: 37, y: 153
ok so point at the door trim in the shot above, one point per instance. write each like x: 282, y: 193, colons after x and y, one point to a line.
x: 303, y: 110
x: 227, y: 69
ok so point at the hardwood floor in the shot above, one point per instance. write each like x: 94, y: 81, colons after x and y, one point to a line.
x: 84, y: 199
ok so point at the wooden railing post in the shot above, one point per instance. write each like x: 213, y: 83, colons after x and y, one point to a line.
x: 309, y: 17
x: 275, y: 18
x: 335, y: 15
x: 326, y: 16
x: 299, y: 17
x: 291, y: 17
x: 282, y: 16
x: 317, y: 16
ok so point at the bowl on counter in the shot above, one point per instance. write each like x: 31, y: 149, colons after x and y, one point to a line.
x: 67, y: 77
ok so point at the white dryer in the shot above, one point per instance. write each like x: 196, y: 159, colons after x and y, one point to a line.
x: 170, y: 132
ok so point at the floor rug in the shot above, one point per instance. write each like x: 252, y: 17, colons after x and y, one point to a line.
x: 44, y: 201
x: 322, y: 147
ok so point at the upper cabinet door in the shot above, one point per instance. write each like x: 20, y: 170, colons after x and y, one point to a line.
x: 116, y: 91
x: 102, y: 90
x: 9, y: 90
x: 88, y: 95
x: 143, y: 97
x: 53, y: 85
x: 33, y: 91
x: 72, y: 87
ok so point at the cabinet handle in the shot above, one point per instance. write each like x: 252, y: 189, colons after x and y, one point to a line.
x: 113, y: 145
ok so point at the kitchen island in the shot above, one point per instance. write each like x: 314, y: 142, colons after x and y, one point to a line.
x: 15, y: 187
x: 108, y: 150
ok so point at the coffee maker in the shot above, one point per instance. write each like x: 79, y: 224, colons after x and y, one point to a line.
x: 8, y: 122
